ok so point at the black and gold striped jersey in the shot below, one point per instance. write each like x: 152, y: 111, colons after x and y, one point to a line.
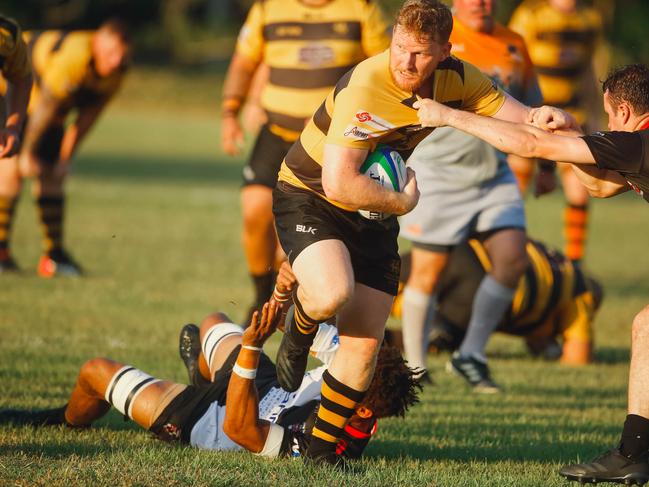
x: 367, y: 108
x: 63, y: 65
x: 14, y: 59
x: 307, y: 49
x: 562, y: 46
x: 550, y: 282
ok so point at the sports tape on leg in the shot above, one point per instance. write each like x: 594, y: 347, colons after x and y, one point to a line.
x: 215, y: 336
x: 127, y: 383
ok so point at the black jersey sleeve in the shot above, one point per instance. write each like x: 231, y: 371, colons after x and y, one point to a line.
x: 619, y: 151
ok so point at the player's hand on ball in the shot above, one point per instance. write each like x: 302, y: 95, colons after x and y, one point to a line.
x: 262, y: 325
x: 231, y: 136
x: 430, y: 112
x: 410, y: 193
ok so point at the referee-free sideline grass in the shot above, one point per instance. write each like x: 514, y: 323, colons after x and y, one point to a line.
x: 153, y: 216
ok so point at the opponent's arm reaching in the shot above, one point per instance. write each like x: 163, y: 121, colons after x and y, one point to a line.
x: 513, y: 138
x: 242, y: 423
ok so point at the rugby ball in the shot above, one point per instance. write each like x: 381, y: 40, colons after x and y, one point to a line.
x: 386, y: 167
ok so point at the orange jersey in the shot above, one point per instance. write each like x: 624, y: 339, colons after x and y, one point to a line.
x: 501, y: 55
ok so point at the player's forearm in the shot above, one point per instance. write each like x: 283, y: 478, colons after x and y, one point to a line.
x: 359, y: 192
x: 77, y: 131
x: 236, y: 85
x: 17, y: 101
x: 241, y: 421
x: 507, y: 137
x: 600, y: 183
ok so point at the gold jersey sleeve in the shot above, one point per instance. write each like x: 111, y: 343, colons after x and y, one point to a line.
x: 13, y: 51
x: 307, y: 50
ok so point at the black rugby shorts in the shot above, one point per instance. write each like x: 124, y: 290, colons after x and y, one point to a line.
x: 266, y: 158
x: 303, y: 218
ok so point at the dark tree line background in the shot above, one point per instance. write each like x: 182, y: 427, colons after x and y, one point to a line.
x: 201, y: 32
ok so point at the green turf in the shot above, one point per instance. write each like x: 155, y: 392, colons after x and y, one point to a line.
x: 153, y: 217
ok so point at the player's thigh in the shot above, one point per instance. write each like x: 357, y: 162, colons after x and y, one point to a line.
x: 364, y: 315
x: 426, y: 267
x: 257, y: 204
x: 574, y: 191
x: 324, y: 272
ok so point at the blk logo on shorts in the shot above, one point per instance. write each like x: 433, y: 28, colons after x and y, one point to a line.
x: 305, y: 229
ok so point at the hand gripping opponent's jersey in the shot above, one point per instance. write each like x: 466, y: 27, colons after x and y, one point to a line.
x: 14, y: 60
x: 561, y: 46
x: 63, y: 66
x: 449, y: 158
x: 293, y: 411
x: 366, y: 108
x: 307, y: 49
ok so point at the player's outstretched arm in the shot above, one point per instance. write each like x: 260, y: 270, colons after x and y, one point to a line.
x: 242, y: 423
x: 343, y: 182
x: 514, y: 138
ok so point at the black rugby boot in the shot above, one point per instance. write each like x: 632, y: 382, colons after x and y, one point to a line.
x: 611, y: 466
x: 292, y: 355
x: 189, y: 349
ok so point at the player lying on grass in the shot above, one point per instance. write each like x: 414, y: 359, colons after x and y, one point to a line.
x: 554, y: 299
x: 607, y: 163
x: 234, y: 401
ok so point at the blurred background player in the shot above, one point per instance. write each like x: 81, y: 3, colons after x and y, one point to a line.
x: 17, y: 73
x: 76, y: 71
x: 467, y: 188
x: 562, y: 37
x: 305, y: 47
x: 553, y: 307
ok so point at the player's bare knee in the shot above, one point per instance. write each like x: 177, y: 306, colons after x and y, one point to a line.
x: 423, y: 279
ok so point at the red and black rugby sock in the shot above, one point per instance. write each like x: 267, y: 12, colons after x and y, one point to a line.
x: 635, y: 436
x: 50, y: 210
x: 575, y: 229
x: 337, y: 405
x: 7, y: 208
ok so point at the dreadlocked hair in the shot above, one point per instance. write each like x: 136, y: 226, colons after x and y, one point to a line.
x: 394, y: 387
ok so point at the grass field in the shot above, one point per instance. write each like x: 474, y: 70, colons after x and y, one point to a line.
x: 153, y: 217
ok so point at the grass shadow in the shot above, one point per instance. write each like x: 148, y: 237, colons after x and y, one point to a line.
x: 612, y: 355
x: 194, y: 169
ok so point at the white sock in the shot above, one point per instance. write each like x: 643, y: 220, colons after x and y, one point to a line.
x: 418, y: 311
x: 490, y: 303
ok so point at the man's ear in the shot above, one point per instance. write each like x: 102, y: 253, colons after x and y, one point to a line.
x: 624, y: 109
x: 364, y: 412
x: 446, y: 50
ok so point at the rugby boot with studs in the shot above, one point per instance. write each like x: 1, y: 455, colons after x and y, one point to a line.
x: 189, y: 349
x: 611, y: 466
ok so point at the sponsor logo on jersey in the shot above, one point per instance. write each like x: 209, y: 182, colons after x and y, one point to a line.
x: 316, y: 55
x: 305, y: 229
x: 377, y: 124
x: 357, y: 133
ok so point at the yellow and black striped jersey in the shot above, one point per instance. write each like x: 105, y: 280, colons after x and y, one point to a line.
x: 307, y: 49
x: 562, y: 46
x: 14, y: 59
x: 63, y: 66
x: 367, y: 108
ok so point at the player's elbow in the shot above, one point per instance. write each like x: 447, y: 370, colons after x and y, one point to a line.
x: 242, y: 436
